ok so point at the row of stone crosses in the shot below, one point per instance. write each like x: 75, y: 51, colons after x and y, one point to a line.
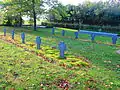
x: 63, y: 33
x: 61, y: 45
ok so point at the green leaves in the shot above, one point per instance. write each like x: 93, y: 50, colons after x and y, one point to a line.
x: 58, y: 12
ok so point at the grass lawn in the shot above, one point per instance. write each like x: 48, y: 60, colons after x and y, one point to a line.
x: 21, y: 69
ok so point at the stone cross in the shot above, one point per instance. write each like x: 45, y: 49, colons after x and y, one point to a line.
x: 53, y: 31
x: 92, y: 37
x: 62, y: 48
x: 63, y: 32
x: 23, y: 37
x: 13, y: 33
x: 4, y: 31
x: 114, y: 39
x: 38, y: 42
x: 76, y: 35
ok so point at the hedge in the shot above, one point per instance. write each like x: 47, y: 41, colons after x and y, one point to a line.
x: 112, y: 29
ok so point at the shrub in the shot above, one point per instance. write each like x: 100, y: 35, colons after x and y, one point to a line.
x: 109, y: 28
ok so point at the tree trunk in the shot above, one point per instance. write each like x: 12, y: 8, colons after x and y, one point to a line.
x: 20, y: 23
x: 34, y: 14
x: 34, y: 21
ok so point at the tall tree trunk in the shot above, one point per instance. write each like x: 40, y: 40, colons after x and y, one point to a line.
x: 34, y: 14
x: 34, y: 21
x: 20, y: 23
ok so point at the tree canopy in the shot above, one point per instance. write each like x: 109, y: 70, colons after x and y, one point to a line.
x: 96, y: 13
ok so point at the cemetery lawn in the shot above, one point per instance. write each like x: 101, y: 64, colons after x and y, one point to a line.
x: 21, y: 69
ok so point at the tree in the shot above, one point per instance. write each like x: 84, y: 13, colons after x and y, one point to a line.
x: 94, y: 13
x: 13, y: 10
x: 58, y: 13
x: 19, y: 8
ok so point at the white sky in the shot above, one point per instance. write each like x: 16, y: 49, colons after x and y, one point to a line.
x: 76, y: 2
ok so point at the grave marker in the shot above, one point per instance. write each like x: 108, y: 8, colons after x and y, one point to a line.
x: 38, y: 42
x: 4, y: 31
x: 13, y: 33
x: 62, y: 48
x: 92, y: 37
x: 23, y: 37
x: 76, y: 35
x: 114, y: 39
x: 63, y: 32
x: 53, y: 31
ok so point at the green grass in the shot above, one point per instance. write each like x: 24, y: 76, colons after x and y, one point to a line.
x: 104, y: 73
x: 31, y: 70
